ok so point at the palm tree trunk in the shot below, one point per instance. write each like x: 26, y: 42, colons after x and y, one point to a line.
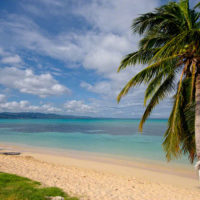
x: 197, y: 117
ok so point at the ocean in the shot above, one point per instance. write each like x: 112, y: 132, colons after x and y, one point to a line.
x: 118, y: 137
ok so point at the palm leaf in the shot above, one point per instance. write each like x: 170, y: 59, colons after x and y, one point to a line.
x: 171, y: 144
x: 159, y: 95
x: 141, y: 57
x: 184, y: 6
x: 197, y: 5
x: 155, y: 83
x: 180, y: 139
x: 144, y: 76
x: 193, y: 81
x: 171, y: 47
x: 148, y: 21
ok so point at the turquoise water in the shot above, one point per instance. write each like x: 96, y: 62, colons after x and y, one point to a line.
x: 107, y: 136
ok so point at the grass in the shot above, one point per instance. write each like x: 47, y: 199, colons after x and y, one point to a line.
x: 14, y: 187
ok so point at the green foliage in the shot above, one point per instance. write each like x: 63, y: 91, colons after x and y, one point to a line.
x: 197, y: 6
x: 158, y: 95
x: 169, y: 45
x: 142, y: 56
x: 14, y: 187
x: 184, y: 125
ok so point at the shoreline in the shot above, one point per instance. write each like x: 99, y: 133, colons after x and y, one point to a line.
x: 88, y: 154
x: 82, y: 157
x: 88, y: 173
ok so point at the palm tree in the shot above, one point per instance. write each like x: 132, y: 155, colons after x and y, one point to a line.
x: 170, y: 47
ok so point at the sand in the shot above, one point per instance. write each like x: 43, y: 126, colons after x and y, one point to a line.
x: 93, y: 177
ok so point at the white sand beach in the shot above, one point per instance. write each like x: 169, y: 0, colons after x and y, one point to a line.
x: 91, y: 177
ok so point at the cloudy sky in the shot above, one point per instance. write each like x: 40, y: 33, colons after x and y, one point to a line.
x: 61, y: 56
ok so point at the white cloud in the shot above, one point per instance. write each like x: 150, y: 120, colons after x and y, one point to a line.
x: 44, y: 108
x: 25, y: 106
x: 104, y: 52
x: 101, y: 51
x: 2, y: 52
x: 11, y: 59
x: 2, y: 98
x: 99, y: 48
x: 27, y: 82
x: 78, y: 107
x: 103, y: 87
x: 73, y: 107
x: 13, y: 106
x: 114, y: 15
x: 42, y: 7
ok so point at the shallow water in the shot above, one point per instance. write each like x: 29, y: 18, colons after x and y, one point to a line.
x: 107, y: 136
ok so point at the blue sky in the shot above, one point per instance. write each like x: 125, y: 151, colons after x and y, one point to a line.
x: 61, y: 56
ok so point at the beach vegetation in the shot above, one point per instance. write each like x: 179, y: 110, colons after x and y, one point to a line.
x: 169, y: 49
x: 13, y: 187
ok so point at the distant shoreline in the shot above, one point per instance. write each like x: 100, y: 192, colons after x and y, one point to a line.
x: 30, y: 115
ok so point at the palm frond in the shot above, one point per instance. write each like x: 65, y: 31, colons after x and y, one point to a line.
x: 148, y: 21
x: 144, y: 76
x: 152, y: 87
x: 193, y: 81
x: 197, y: 5
x: 178, y: 43
x: 155, y: 83
x: 138, y: 57
x: 188, y: 136
x: 180, y: 139
x: 153, y: 40
x: 159, y: 95
x: 171, y: 47
x: 171, y: 144
x: 184, y: 6
x: 144, y: 22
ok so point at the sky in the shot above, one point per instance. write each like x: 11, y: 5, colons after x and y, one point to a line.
x: 61, y: 56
